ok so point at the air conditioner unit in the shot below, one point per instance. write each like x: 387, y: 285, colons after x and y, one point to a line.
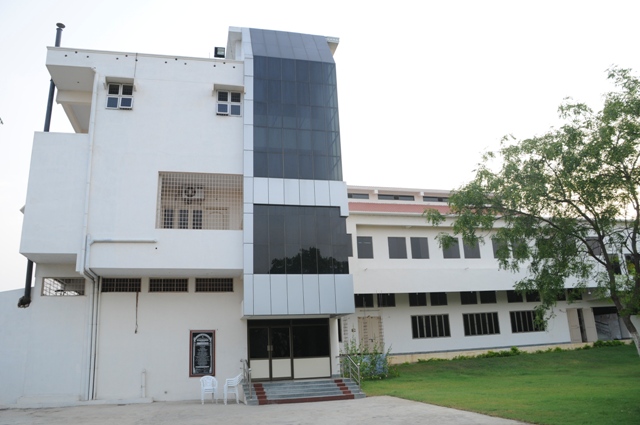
x: 192, y: 193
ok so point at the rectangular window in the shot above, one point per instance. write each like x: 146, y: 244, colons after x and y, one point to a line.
x: 184, y: 219
x: 397, y: 247
x: 499, y: 247
x: 121, y: 285
x: 168, y: 285
x: 62, y: 286
x: 574, y: 294
x: 214, y: 284
x: 514, y: 297
x: 120, y: 96
x: 533, y: 297
x: 386, y: 300
x: 167, y: 222
x: 363, y: 300
x: 468, y: 297
x: 435, y: 199
x: 481, y: 324
x: 358, y: 195
x: 488, y: 297
x: 199, y: 201
x: 197, y: 219
x: 438, y: 298
x: 524, y: 321
x: 229, y: 103
x: 452, y: 251
x: 431, y: 326
x: 594, y: 245
x: 418, y: 299
x: 419, y: 248
x: 365, y: 247
x: 291, y: 239
x: 472, y: 251
x: 382, y: 197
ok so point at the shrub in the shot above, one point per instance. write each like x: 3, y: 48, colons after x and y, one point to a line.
x: 373, y: 362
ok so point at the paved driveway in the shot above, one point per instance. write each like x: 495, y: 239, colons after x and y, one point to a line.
x: 370, y: 410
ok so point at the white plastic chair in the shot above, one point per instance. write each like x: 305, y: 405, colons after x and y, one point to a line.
x: 209, y: 384
x: 231, y: 386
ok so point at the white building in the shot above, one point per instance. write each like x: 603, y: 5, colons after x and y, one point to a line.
x: 421, y: 301
x: 196, y: 218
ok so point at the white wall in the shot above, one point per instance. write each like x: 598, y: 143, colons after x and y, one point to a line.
x: 154, y: 336
x: 43, y: 350
x: 53, y: 216
x: 396, y: 323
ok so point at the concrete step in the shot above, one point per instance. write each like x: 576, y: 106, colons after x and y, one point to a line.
x: 303, y: 391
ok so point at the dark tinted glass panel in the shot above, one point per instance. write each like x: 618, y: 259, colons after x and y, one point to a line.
x: 112, y: 102
x: 488, y: 297
x: 434, y: 199
x: 383, y: 197
x: 452, y: 251
x: 126, y: 102
x: 472, y: 251
x: 468, y: 298
x: 300, y: 96
x: 419, y: 248
x: 363, y: 300
x: 259, y: 343
x: 311, y: 341
x: 514, y: 297
x: 418, y: 299
x: 386, y: 300
x: 365, y: 247
x: 438, y: 298
x: 358, y: 195
x: 533, y: 296
x: 397, y: 247
x: 114, y: 88
x: 127, y: 90
x: 280, y: 343
x: 499, y: 247
x: 300, y: 240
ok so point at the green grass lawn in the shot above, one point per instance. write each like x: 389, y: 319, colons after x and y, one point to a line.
x: 597, y: 386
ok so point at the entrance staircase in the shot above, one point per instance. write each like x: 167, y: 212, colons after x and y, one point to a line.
x: 281, y: 392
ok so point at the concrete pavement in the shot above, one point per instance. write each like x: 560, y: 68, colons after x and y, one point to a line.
x: 370, y: 410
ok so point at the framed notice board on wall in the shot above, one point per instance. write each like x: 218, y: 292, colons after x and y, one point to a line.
x: 202, y: 358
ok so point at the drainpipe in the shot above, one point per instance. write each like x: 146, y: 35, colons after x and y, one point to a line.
x: 25, y: 300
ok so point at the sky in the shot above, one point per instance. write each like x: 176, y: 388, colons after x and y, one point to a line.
x: 424, y: 87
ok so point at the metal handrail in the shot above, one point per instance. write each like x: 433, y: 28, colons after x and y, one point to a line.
x: 350, y: 367
x: 246, y: 372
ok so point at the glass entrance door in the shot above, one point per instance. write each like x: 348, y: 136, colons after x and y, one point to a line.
x: 280, y: 352
x: 270, y: 352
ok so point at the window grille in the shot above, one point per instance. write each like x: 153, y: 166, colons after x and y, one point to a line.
x: 525, y: 321
x: 386, y: 300
x: 199, y: 201
x: 62, y: 286
x: 120, y: 96
x: 481, y: 324
x: 120, y: 285
x: 430, y: 326
x: 229, y: 103
x: 168, y: 285
x: 214, y: 285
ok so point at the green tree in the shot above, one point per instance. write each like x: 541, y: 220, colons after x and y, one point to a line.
x: 564, y: 205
